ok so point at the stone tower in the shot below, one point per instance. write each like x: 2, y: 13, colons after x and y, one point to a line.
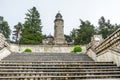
x: 59, y: 30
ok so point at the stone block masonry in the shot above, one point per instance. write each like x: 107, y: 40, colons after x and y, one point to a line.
x: 45, y: 48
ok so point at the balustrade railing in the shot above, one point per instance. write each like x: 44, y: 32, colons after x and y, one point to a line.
x: 3, y: 43
x: 112, y: 40
x: 89, y: 46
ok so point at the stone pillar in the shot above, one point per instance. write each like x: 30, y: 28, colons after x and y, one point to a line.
x: 96, y: 40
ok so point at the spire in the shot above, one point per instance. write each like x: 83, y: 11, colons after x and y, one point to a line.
x: 59, y: 11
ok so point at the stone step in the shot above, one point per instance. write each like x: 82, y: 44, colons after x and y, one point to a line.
x: 100, y: 79
x: 19, y: 61
x: 55, y: 63
x: 30, y: 59
x: 60, y: 73
x: 58, y: 70
x: 48, y: 57
x: 55, y: 67
x: 50, y: 62
x: 61, y: 77
x: 62, y: 70
x: 47, y: 54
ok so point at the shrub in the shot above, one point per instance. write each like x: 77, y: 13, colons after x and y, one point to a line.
x: 77, y: 49
x: 28, y: 50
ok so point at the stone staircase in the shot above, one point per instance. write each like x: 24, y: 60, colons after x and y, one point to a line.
x: 28, y: 57
x: 56, y: 66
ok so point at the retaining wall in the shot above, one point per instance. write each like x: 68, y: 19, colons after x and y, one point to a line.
x: 45, y: 48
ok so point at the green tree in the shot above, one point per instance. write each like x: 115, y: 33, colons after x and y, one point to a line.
x: 68, y: 38
x: 84, y: 33
x: 4, y: 28
x: 32, y: 32
x: 73, y: 33
x: 17, y: 31
x: 105, y: 27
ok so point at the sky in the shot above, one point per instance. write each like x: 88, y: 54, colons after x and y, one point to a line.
x: 72, y: 11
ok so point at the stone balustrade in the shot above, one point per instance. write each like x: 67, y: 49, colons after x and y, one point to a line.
x: 89, y: 45
x: 111, y: 41
x: 106, y: 50
x: 4, y: 47
x: 3, y: 43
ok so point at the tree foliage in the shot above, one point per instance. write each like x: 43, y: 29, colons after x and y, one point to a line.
x: 83, y: 34
x: 5, y: 28
x: 105, y: 27
x: 86, y: 30
x: 17, y: 31
x: 32, y: 31
x: 73, y: 33
x: 68, y: 38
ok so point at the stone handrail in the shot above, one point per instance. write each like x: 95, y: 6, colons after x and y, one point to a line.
x: 3, y: 43
x: 105, y: 50
x: 112, y: 40
x: 89, y: 46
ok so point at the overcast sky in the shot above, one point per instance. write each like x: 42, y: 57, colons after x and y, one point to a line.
x: 14, y: 11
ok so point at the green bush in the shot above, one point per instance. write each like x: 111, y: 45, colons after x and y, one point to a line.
x: 28, y: 50
x: 77, y: 49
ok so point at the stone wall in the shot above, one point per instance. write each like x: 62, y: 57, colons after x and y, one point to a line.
x: 4, y: 47
x: 4, y: 53
x: 107, y: 50
x: 92, y: 54
x: 44, y: 48
x: 106, y: 56
x: 110, y: 56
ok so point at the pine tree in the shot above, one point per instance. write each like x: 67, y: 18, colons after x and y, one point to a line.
x: 32, y: 32
x: 105, y: 27
x: 4, y: 28
x: 84, y: 33
x: 17, y: 31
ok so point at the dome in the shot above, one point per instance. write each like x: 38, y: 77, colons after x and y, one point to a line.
x: 58, y: 15
x: 49, y: 36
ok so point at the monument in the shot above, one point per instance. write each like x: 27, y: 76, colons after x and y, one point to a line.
x: 59, y: 30
x: 58, y: 38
